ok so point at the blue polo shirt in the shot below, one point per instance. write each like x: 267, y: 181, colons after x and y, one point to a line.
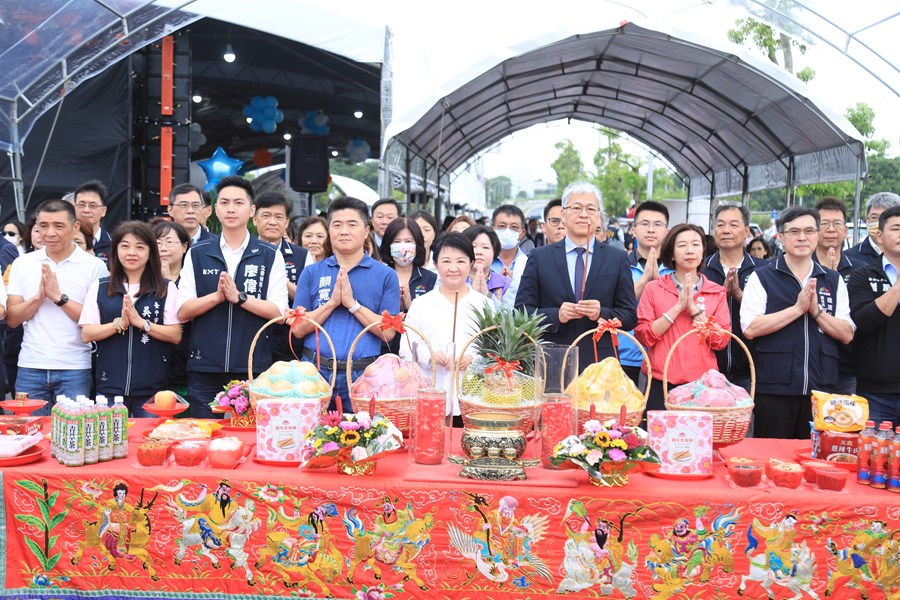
x: 375, y: 286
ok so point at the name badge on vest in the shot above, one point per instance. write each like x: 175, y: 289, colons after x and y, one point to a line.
x: 252, y: 277
x: 826, y: 300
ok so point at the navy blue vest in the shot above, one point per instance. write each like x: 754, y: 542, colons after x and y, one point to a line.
x: 800, y: 357
x: 221, y: 337
x: 134, y: 364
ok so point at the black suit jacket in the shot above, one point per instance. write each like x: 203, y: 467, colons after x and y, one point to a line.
x: 545, y: 286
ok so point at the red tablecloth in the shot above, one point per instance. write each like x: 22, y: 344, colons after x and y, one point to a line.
x: 290, y: 532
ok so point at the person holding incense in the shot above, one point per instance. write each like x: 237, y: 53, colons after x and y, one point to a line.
x: 674, y: 304
x: 445, y: 314
x: 578, y: 282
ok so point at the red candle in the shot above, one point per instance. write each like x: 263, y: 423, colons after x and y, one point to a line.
x: 428, y: 442
x: 556, y: 425
x: 372, y: 406
x: 623, y: 414
x: 593, y: 413
x: 340, y: 405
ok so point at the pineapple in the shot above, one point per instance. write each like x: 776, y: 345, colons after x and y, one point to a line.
x: 511, y: 338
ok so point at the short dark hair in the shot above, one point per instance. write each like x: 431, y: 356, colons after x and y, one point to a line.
x: 794, y: 212
x: 163, y: 227
x: 186, y: 188
x: 309, y: 222
x: 667, y: 249
x: 551, y: 204
x: 765, y: 244
x: 383, y: 201
x: 832, y: 203
x: 390, y: 234
x: 88, y: 236
x: 508, y: 209
x: 427, y: 217
x: 890, y: 213
x: 745, y: 212
x: 475, y: 230
x: 460, y: 219
x: 152, y: 280
x: 456, y: 240
x: 239, y: 182
x: 270, y: 199
x: 53, y: 206
x: 94, y: 186
x: 651, y: 205
x: 349, y: 203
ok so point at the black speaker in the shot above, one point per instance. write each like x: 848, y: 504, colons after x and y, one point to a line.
x: 309, y: 163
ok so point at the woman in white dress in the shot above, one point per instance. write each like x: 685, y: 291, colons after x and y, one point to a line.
x: 433, y: 314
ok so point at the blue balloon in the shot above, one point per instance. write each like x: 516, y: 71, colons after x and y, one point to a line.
x: 269, y: 127
x: 256, y: 125
x: 271, y: 101
x: 258, y: 103
x: 248, y: 111
x: 219, y: 165
x: 269, y: 113
x: 279, y: 116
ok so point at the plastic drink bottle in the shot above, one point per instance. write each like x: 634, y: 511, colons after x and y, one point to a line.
x: 893, y: 484
x: 91, y: 424
x: 119, y: 427
x: 74, y: 443
x: 881, y: 453
x: 54, y: 425
x: 104, y: 429
x: 866, y: 441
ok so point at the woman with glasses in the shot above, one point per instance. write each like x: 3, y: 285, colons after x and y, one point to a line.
x: 671, y: 306
x: 173, y: 241
x: 14, y: 232
x: 131, y: 313
x: 760, y: 248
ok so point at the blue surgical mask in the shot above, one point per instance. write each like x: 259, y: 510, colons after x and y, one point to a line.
x: 509, y: 239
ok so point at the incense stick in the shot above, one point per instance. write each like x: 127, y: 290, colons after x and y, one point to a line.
x: 455, y: 306
x: 587, y: 262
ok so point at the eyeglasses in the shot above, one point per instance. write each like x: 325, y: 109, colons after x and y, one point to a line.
x: 165, y: 242
x: 554, y: 221
x: 90, y: 205
x: 10, y: 233
x: 187, y: 205
x: 649, y: 224
x: 516, y: 228
x: 590, y: 210
x: 830, y: 224
x: 808, y: 232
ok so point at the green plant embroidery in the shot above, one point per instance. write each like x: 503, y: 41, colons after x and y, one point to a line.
x: 45, y: 523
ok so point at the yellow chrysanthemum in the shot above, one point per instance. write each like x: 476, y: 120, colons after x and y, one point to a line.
x: 331, y: 430
x: 349, y: 438
x: 619, y: 443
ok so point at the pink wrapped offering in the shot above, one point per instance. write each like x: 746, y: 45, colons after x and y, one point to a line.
x: 389, y: 377
x: 712, y: 390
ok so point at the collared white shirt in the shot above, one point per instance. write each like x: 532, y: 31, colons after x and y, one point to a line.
x: 196, y: 237
x: 97, y: 235
x: 890, y: 270
x: 276, y: 289
x: 52, y: 340
x: 875, y: 247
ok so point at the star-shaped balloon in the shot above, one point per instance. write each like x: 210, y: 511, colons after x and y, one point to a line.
x: 217, y: 166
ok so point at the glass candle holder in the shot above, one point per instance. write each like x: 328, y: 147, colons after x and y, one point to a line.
x: 557, y: 423
x: 427, y: 436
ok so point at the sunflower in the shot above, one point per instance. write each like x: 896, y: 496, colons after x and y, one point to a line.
x: 602, y: 439
x: 349, y: 438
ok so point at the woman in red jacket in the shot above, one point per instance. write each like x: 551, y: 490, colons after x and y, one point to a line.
x: 671, y: 305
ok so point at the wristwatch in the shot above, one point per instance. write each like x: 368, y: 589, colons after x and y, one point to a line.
x: 147, y: 326
x: 62, y: 300
x: 356, y: 306
x: 242, y: 297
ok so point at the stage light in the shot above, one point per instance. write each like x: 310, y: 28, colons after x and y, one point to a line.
x: 358, y: 114
x: 229, y: 55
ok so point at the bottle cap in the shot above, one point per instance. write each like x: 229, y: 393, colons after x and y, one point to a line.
x: 870, y: 424
x: 885, y: 426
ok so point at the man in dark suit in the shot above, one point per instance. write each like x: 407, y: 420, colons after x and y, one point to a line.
x: 578, y: 281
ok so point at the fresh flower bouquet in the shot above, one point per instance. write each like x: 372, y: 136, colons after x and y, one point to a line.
x: 607, y: 451
x: 353, y: 441
x: 235, y: 399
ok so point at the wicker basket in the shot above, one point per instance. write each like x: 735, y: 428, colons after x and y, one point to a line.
x: 632, y: 417
x: 398, y: 410
x: 730, y: 424
x: 255, y: 397
x: 469, y: 404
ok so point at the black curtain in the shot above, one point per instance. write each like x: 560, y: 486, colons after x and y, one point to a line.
x: 91, y: 141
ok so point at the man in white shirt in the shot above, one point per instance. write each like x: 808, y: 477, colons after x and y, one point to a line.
x: 189, y: 209
x: 230, y: 286
x: 508, y: 222
x: 46, y: 290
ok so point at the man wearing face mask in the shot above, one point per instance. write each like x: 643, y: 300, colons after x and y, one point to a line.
x: 868, y: 250
x: 578, y: 281
x: 508, y: 222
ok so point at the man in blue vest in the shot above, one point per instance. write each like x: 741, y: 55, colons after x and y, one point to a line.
x: 344, y: 293
x: 189, y: 209
x: 230, y: 286
x: 730, y: 266
x: 797, y: 312
x: 868, y: 250
x: 91, y: 200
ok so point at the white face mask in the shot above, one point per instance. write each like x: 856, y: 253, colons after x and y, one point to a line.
x: 509, y: 239
x: 403, y: 253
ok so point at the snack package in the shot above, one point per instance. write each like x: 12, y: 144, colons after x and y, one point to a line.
x: 711, y: 390
x: 839, y: 412
x: 607, y: 387
x: 14, y: 445
x: 282, y: 425
x: 835, y: 446
x: 19, y: 425
x: 389, y: 377
x: 682, y: 440
x: 185, y: 429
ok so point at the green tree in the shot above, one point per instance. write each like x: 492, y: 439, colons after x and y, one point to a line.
x: 497, y: 190
x: 862, y: 116
x: 568, y: 165
x: 366, y: 171
x: 618, y: 175
x: 751, y: 33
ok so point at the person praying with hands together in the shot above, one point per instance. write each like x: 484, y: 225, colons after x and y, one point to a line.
x: 674, y: 304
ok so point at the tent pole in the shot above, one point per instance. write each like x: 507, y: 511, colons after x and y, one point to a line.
x: 857, y: 199
x: 16, y: 164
